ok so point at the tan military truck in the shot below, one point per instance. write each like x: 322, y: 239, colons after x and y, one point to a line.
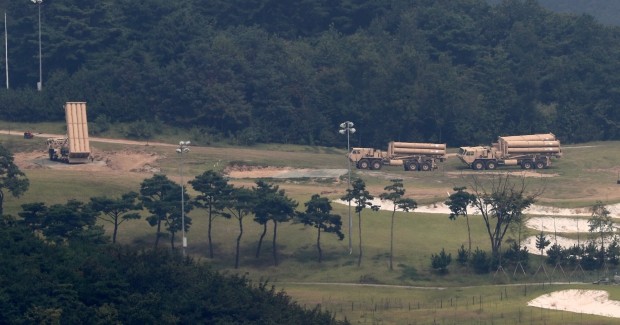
x: 75, y: 147
x: 527, y: 151
x: 412, y: 156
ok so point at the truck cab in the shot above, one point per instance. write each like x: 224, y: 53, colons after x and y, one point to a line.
x: 469, y: 154
x: 367, y: 158
x: 478, y: 158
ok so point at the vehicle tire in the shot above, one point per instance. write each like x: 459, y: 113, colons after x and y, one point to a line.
x: 540, y: 165
x: 375, y: 165
x: 363, y: 164
x: 425, y: 167
x: 478, y: 165
x: 491, y: 165
x: 526, y: 164
x: 412, y: 165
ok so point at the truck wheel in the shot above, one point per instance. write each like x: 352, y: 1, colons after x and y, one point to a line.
x: 376, y: 165
x: 412, y: 166
x: 491, y: 165
x: 527, y: 164
x: 363, y: 164
x: 478, y: 165
x: 540, y: 165
x: 425, y: 167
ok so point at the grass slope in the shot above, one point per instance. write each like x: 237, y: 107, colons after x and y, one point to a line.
x: 586, y: 173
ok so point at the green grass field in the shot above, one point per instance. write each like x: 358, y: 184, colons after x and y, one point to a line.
x: 585, y: 174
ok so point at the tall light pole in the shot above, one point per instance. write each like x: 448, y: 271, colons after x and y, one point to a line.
x: 347, y: 128
x: 40, y: 83
x: 182, y: 150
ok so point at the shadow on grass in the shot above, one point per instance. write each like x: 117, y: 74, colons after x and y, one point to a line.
x: 408, y: 272
x: 308, y: 254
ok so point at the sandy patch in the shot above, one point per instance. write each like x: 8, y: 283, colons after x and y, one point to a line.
x: 281, y: 172
x: 128, y: 161
x: 559, y: 224
x: 441, y: 208
x: 530, y: 243
x: 594, y: 302
x: 517, y: 173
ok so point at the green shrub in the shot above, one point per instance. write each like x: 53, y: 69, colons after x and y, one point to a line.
x: 462, y: 256
x: 441, y: 261
x: 556, y: 254
x: 480, y: 261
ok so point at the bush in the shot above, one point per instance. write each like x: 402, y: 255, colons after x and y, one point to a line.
x: 592, y: 257
x: 462, y: 256
x: 140, y: 130
x: 101, y: 124
x: 480, y: 261
x: 613, y: 253
x: 556, y: 254
x: 515, y: 254
x: 441, y: 261
x: 574, y: 254
x: 248, y: 137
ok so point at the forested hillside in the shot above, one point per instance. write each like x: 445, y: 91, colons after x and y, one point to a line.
x: 605, y: 11
x: 79, y: 279
x: 458, y: 71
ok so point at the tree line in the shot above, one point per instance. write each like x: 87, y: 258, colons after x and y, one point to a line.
x: 87, y: 280
x: 459, y: 72
x: 501, y: 205
x: 500, y: 201
x: 58, y: 267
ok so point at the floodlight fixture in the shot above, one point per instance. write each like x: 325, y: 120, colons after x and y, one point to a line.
x: 347, y: 128
x: 183, y: 149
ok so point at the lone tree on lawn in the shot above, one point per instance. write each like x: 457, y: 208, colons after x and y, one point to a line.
x: 394, y: 194
x: 500, y: 203
x: 115, y: 211
x: 239, y: 204
x: 12, y: 179
x: 262, y: 191
x: 318, y: 215
x: 278, y: 208
x: 458, y: 203
x: 363, y: 199
x: 214, y: 190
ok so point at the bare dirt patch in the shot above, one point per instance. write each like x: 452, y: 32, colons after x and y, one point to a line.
x: 238, y: 172
x: 124, y: 161
x: 520, y: 173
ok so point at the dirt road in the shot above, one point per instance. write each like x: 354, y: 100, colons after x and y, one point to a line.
x: 94, y: 139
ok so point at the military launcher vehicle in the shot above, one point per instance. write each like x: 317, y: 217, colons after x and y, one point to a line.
x: 527, y: 151
x: 412, y: 156
x: 75, y: 147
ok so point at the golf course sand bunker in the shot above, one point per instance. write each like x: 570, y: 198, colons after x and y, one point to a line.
x: 441, y: 208
x: 594, y: 302
x: 530, y: 243
x: 552, y: 224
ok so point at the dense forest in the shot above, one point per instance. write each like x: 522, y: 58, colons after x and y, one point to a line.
x: 457, y: 71
x: 81, y: 279
x: 605, y: 11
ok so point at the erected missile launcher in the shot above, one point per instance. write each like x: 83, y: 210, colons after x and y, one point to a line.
x: 527, y: 151
x: 75, y: 148
x: 412, y: 156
